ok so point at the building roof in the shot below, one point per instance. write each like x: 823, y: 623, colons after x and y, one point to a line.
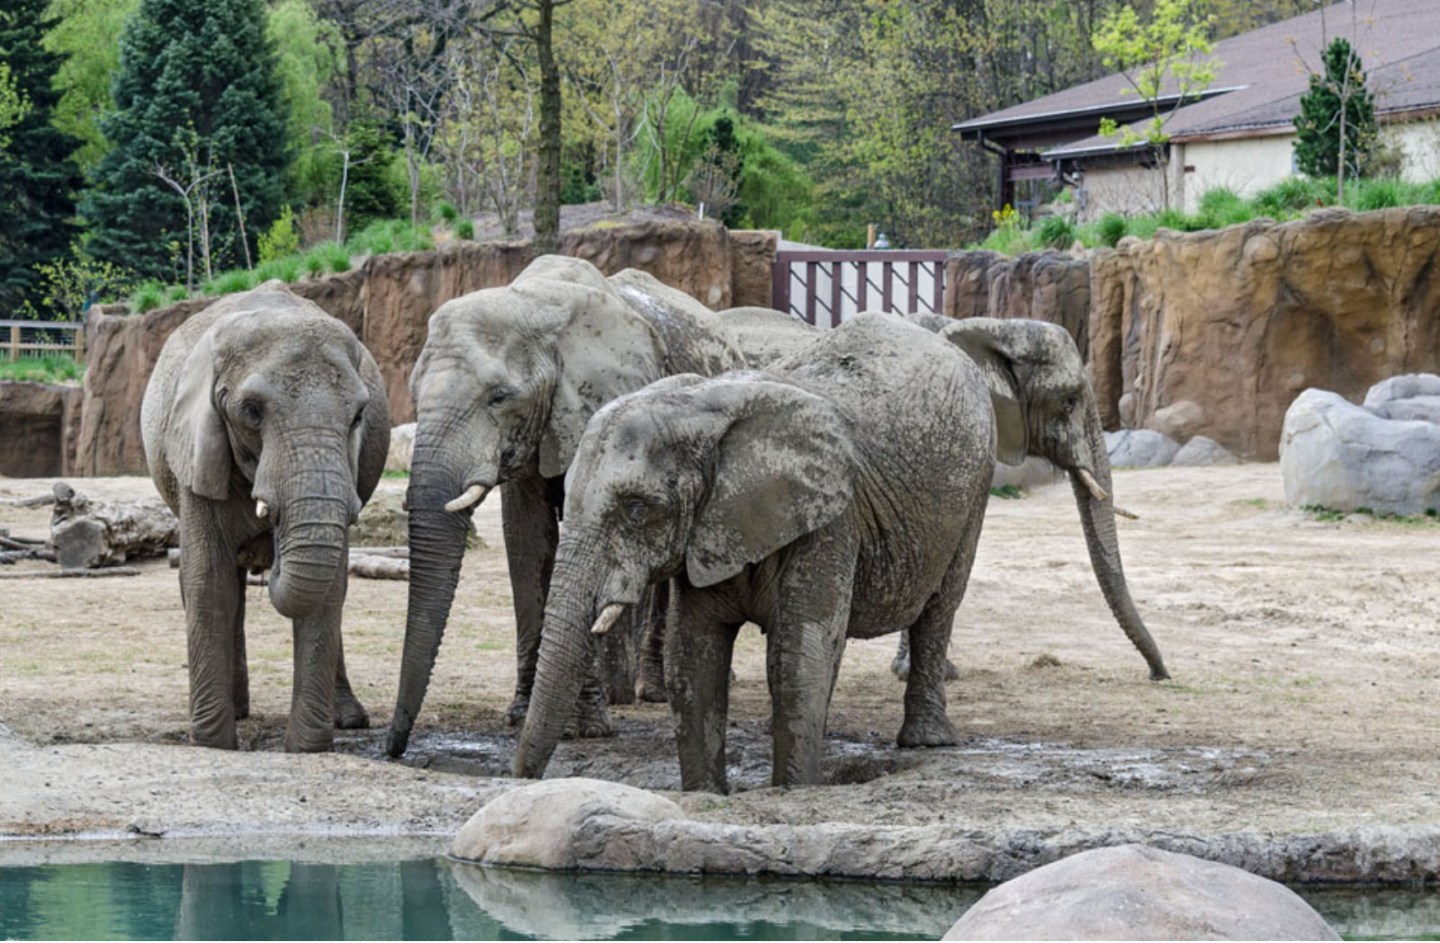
x: 1260, y: 78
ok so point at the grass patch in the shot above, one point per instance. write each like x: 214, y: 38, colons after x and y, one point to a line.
x: 51, y: 368
x: 387, y: 473
x: 1007, y: 492
x: 1319, y: 512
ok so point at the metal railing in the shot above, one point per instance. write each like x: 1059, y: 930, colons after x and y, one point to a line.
x: 827, y: 286
x: 38, y: 338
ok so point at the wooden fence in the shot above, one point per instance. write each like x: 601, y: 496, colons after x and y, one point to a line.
x: 826, y: 286
x: 38, y: 338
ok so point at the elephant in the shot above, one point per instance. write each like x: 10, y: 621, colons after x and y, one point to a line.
x: 504, y: 385
x: 839, y: 493
x: 265, y: 425
x: 1044, y: 406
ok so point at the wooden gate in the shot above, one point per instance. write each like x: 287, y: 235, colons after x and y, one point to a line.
x: 825, y: 286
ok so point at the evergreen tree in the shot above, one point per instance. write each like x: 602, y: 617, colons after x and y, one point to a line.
x: 1338, y: 106
x: 197, y: 100
x: 39, y: 180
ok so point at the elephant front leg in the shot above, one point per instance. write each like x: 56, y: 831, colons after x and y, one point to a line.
x: 803, y: 649
x: 698, y: 650
x: 350, y: 714
x: 212, y: 591
x: 529, y: 517
x: 312, y: 693
x: 240, y: 664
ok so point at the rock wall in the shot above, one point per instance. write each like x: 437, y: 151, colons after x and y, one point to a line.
x: 1047, y: 286
x: 41, y: 424
x: 752, y: 265
x: 387, y: 302
x: 1241, y: 320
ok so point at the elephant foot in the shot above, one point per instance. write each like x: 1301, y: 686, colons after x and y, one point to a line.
x: 652, y: 691
x: 515, y: 713
x: 591, y: 722
x: 928, y: 732
x: 350, y: 714
x: 309, y: 742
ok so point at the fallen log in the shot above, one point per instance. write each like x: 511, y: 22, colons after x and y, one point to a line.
x: 371, y: 563
x: 71, y: 574
x: 88, y: 534
x: 35, y: 502
x: 32, y: 553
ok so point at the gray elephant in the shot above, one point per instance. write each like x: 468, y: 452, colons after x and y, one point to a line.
x: 1045, y: 407
x: 503, y: 388
x: 838, y: 494
x: 265, y: 426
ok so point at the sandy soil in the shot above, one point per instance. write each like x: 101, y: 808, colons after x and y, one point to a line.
x: 1305, y: 656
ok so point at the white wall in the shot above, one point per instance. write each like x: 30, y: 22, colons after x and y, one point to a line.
x: 1420, y: 140
x: 1243, y: 165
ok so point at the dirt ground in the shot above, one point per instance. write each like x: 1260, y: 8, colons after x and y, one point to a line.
x: 1305, y: 655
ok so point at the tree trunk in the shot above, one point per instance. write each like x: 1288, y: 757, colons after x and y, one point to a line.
x: 547, y: 184
x: 89, y: 534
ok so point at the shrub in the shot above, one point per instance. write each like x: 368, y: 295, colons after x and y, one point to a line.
x: 1222, y: 207
x: 1056, y: 232
x: 1294, y: 195
x: 229, y: 283
x: 1382, y: 194
x: 147, y: 297
x: 282, y: 239
x: 446, y: 211
x: 1110, y: 229
x: 337, y: 258
x: 465, y: 229
x: 176, y: 293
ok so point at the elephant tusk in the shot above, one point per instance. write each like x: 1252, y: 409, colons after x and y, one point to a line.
x: 473, y: 495
x: 1121, y: 512
x: 262, y: 510
x: 608, y: 617
x: 1088, y: 480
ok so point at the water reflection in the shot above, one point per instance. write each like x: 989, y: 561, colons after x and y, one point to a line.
x: 434, y: 899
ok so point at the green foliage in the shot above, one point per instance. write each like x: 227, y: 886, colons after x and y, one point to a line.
x: 337, y: 257
x: 1337, y: 97
x: 148, y: 296
x: 287, y: 269
x: 1110, y: 229
x: 373, y: 190
x: 228, y: 283
x: 465, y: 229
x: 309, y: 57
x: 1056, y: 232
x: 1007, y: 492
x: 1293, y: 195
x: 1383, y: 194
x: 578, y: 183
x: 51, y: 368
x: 282, y: 238
x: 38, y: 177
x: 391, y: 235
x: 86, y: 37
x: 68, y: 283
x: 1221, y: 207
x: 197, y: 96
x: 446, y: 212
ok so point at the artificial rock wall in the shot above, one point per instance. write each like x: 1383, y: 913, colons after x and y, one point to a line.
x: 387, y: 302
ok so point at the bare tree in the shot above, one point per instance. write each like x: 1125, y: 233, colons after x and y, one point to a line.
x: 192, y: 188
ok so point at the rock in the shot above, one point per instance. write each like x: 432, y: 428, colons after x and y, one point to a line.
x: 1241, y: 320
x: 402, y: 445
x: 557, y: 823
x: 752, y: 265
x: 38, y: 426
x: 1179, y: 420
x: 1140, y: 448
x: 1203, y: 451
x: 1034, y: 472
x: 1419, y: 409
x: 1338, y: 455
x: 1045, y: 286
x: 764, y: 335
x: 1133, y: 892
x: 1406, y: 386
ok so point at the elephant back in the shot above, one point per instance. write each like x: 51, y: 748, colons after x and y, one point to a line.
x: 696, y: 339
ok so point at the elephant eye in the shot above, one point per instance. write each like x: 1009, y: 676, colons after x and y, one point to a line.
x: 250, y: 412
x: 499, y: 396
x: 638, y: 509
x: 359, y: 416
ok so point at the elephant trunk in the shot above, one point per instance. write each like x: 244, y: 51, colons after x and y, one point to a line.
x: 1097, y: 515
x: 565, y: 652
x: 437, y: 548
x: 311, y: 542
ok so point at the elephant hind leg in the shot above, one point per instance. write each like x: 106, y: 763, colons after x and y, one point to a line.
x: 350, y: 714
x: 652, y: 644
x: 239, y: 665
x: 900, y: 664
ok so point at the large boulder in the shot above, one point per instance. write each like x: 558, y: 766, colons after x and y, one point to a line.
x: 402, y: 448
x: 1140, y: 448
x: 1338, y: 455
x: 559, y: 823
x: 1133, y: 892
x: 752, y: 265
x: 1203, y: 450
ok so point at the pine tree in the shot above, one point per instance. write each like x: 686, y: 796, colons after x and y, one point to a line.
x: 1337, y: 106
x: 39, y: 179
x: 197, y: 99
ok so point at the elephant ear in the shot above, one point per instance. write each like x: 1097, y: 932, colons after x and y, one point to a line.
x: 785, y: 466
x: 985, y: 340
x: 199, y: 451
x: 371, y: 445
x: 603, y: 350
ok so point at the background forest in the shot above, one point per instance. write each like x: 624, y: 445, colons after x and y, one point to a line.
x: 162, y: 142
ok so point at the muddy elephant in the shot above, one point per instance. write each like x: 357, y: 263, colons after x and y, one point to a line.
x: 840, y: 493
x: 1044, y: 406
x: 503, y: 388
x: 265, y: 426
